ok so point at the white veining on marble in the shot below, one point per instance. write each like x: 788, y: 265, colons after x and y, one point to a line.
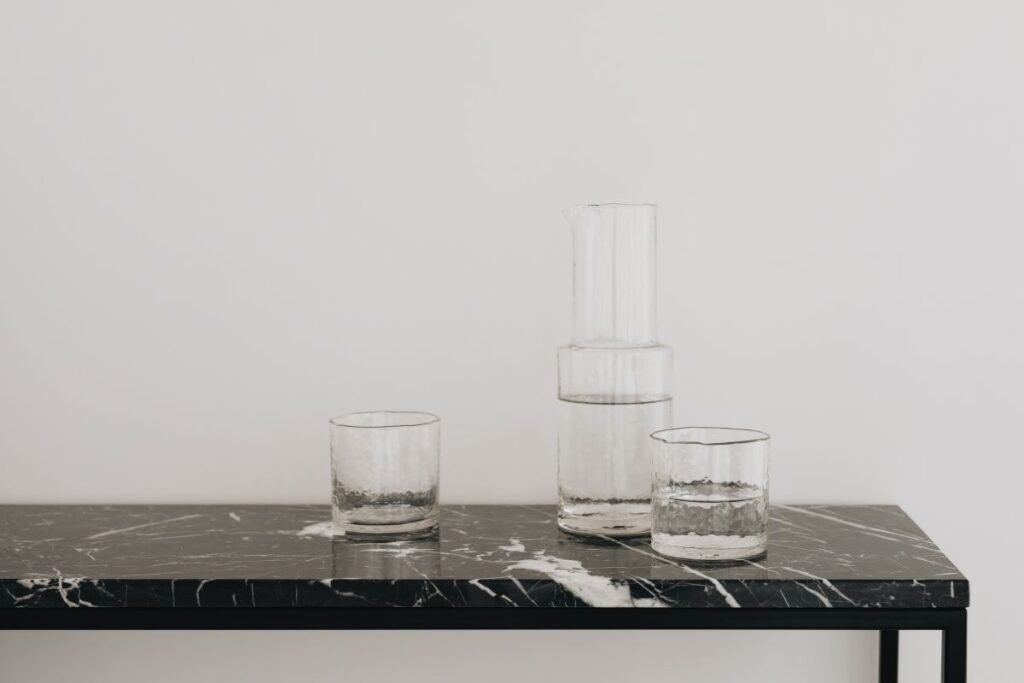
x: 88, y: 552
x: 76, y: 585
x: 199, y: 588
x: 485, y: 589
x: 479, y: 584
x: 817, y: 594
x: 840, y: 520
x: 729, y: 599
x: 111, y: 532
x: 322, y: 529
x: 596, y: 591
x: 944, y: 565
x: 824, y: 581
x: 522, y: 588
x: 62, y: 585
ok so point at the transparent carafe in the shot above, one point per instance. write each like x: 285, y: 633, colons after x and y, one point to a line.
x: 614, y: 385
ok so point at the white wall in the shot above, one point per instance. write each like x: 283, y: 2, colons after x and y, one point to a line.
x: 224, y: 222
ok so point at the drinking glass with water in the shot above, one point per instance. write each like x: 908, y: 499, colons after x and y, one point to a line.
x: 710, y: 493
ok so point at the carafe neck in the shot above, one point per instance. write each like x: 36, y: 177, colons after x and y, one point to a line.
x: 614, y: 274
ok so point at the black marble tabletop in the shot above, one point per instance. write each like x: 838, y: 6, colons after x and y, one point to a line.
x: 483, y: 556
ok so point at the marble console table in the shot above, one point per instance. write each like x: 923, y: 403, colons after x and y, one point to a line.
x: 493, y: 567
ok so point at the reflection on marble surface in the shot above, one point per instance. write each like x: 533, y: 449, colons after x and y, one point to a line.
x: 483, y: 556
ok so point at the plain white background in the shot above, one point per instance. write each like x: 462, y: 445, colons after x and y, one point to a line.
x: 222, y: 223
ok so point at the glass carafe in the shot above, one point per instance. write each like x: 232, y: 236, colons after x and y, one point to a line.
x: 614, y: 378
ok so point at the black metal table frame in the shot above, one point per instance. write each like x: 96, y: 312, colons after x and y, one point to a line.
x: 888, y: 622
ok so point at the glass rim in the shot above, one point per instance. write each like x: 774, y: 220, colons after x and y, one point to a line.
x: 752, y: 436
x: 415, y: 418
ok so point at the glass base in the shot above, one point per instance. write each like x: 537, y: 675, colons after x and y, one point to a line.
x: 617, y: 520
x: 418, y: 527
x: 709, y: 547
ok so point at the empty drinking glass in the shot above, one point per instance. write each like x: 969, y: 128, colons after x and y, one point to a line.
x: 385, y: 472
x: 710, y: 493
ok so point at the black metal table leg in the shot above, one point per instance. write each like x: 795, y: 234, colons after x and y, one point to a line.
x: 888, y: 656
x: 954, y: 649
